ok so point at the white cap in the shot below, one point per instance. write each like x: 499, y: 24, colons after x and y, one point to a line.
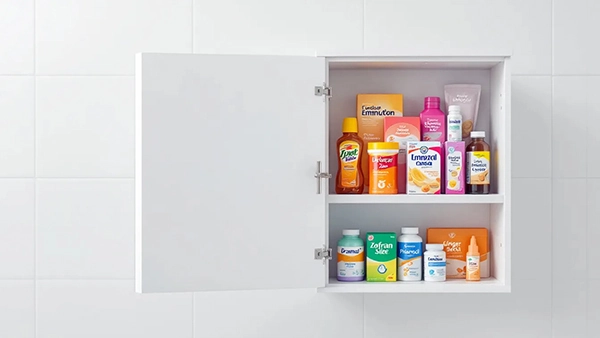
x: 350, y: 232
x: 453, y: 109
x: 410, y: 231
x: 434, y: 247
x: 478, y: 134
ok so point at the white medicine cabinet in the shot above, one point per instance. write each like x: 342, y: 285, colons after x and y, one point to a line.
x: 233, y: 154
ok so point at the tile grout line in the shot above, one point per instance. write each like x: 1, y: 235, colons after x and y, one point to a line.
x: 193, y: 23
x: 364, y: 17
x: 552, y: 168
x: 193, y: 294
x: 35, y: 194
x: 364, y: 317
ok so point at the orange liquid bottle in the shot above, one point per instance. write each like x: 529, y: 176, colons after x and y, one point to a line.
x: 349, y: 178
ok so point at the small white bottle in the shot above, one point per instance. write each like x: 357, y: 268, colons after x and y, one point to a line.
x: 454, y: 123
x: 435, y: 263
x: 410, y: 255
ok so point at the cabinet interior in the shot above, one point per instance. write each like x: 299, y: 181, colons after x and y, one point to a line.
x: 415, y: 80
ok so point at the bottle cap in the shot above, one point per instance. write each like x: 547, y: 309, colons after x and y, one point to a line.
x: 350, y: 232
x: 434, y: 247
x: 432, y: 99
x: 410, y: 231
x: 454, y: 109
x: 383, y: 146
x: 478, y: 134
x: 350, y: 125
x: 473, y: 248
x: 432, y: 102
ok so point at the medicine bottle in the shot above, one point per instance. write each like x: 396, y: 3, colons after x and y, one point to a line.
x: 478, y: 164
x: 435, y: 263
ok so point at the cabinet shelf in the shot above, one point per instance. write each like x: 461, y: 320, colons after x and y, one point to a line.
x: 486, y: 285
x: 416, y: 199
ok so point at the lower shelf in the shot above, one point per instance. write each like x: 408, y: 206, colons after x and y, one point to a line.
x: 486, y: 285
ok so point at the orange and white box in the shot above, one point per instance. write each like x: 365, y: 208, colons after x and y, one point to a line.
x: 456, y: 244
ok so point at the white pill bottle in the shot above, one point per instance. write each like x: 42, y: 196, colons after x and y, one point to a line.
x: 435, y: 263
x: 410, y: 255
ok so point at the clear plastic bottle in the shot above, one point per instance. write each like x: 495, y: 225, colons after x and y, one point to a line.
x: 410, y: 253
x: 351, y: 257
x: 435, y: 263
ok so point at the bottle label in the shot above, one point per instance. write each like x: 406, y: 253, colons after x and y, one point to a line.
x: 349, y: 151
x: 478, y: 167
x: 351, y: 261
x: 454, y: 160
x: 454, y: 129
x: 410, y: 260
x: 433, y: 129
x: 383, y: 171
x: 435, y: 265
x: 473, y: 268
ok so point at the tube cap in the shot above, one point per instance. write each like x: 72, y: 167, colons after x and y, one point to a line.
x: 350, y: 125
x: 350, y: 232
x: 434, y: 247
x: 473, y: 248
x: 410, y: 231
x: 478, y: 134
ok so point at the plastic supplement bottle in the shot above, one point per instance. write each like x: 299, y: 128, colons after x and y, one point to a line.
x: 454, y: 124
x: 435, y: 263
x: 351, y: 257
x: 410, y: 253
x: 349, y: 178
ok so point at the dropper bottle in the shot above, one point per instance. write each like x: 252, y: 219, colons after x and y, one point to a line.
x: 473, y: 258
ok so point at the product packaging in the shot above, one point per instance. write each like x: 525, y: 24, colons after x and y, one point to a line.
x: 383, y: 167
x: 381, y: 257
x: 371, y: 109
x: 456, y: 244
x: 433, y: 120
x: 424, y: 168
x: 467, y: 97
x: 454, y: 153
x: 402, y: 130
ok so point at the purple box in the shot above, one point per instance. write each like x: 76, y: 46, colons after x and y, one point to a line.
x: 454, y: 154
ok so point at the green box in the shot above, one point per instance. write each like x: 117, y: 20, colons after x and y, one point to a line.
x: 381, y: 257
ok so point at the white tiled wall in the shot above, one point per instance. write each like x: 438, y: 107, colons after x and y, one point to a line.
x: 66, y: 164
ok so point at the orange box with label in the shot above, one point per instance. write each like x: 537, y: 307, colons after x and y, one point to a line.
x: 402, y: 129
x: 456, y: 244
x: 371, y: 109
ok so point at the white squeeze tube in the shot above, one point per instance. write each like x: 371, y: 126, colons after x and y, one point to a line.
x: 466, y: 96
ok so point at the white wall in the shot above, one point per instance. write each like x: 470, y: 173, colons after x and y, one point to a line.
x: 66, y: 165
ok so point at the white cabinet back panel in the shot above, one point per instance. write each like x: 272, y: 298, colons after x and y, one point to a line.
x: 226, y: 151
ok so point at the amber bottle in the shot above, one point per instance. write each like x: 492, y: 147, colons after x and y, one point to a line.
x: 478, y: 164
x: 349, y: 178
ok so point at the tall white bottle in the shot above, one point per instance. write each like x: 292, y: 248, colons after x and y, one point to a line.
x: 454, y: 124
x: 410, y: 255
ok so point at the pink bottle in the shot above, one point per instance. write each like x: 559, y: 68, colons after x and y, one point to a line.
x: 433, y: 121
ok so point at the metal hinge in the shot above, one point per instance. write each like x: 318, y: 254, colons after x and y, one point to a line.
x: 319, y: 176
x: 323, y: 253
x: 322, y: 91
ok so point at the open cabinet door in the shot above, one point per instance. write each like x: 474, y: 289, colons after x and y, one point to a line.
x: 226, y: 153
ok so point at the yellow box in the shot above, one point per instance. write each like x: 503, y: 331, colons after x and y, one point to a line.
x: 371, y: 109
x: 456, y: 244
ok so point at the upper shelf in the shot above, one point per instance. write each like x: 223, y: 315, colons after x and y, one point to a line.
x: 415, y: 199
